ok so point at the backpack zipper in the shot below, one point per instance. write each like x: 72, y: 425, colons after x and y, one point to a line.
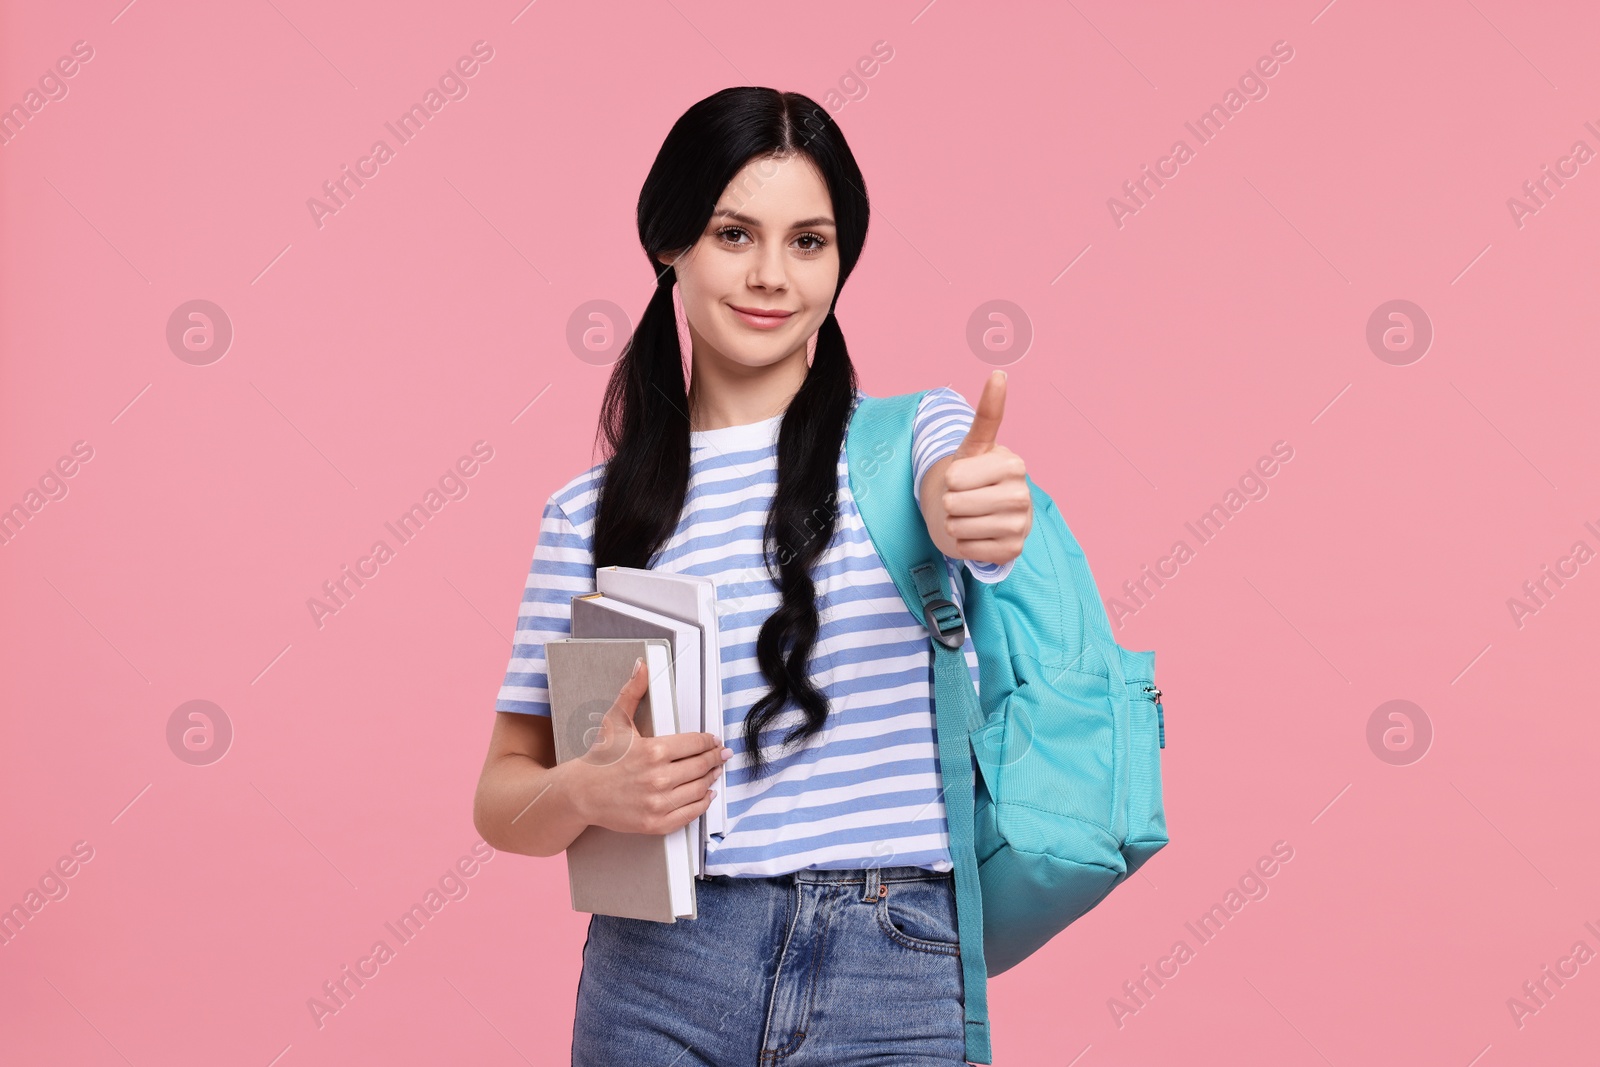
x: 1161, y: 719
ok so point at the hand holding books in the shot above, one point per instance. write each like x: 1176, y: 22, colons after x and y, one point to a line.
x: 645, y: 785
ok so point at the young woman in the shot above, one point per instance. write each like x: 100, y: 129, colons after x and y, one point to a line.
x: 827, y: 926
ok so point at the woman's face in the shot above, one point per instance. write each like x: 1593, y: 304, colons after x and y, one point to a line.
x: 770, y: 246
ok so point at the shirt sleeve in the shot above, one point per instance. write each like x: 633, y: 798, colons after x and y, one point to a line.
x: 563, y: 567
x: 943, y: 419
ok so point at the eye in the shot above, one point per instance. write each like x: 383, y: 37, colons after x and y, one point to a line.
x: 731, y: 235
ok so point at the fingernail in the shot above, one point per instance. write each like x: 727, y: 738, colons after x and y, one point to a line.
x: 637, y: 664
x: 727, y: 753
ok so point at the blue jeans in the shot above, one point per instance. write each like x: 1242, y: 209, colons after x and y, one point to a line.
x: 810, y: 969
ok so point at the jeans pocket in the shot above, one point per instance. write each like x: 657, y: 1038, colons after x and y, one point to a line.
x: 920, y: 914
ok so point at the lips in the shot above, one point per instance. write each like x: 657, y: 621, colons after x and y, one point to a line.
x: 761, y: 318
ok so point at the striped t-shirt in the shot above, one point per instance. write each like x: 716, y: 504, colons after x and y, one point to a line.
x: 865, y: 790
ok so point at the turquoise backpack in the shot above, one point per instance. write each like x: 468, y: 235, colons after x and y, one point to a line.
x: 1067, y: 739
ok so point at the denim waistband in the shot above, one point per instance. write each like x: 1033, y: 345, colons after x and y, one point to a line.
x: 874, y: 875
x: 873, y: 880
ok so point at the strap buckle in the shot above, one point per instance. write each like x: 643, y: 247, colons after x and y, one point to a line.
x: 944, y: 622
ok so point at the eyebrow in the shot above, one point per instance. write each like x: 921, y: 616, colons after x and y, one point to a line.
x: 820, y: 220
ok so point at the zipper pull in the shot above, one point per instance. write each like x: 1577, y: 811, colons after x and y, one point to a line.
x: 1161, y: 719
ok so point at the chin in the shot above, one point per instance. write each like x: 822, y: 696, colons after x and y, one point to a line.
x: 757, y: 360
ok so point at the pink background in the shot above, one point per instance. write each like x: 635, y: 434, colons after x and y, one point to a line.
x: 369, y: 354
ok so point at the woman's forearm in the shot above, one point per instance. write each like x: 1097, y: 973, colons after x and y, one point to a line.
x: 525, y: 807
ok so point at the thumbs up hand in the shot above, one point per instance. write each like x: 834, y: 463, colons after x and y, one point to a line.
x: 976, y: 502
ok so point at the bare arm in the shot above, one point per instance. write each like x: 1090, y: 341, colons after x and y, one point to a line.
x: 525, y: 803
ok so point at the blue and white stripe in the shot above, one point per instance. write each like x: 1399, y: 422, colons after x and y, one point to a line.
x: 865, y: 790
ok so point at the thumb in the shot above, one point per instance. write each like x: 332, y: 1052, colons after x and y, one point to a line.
x: 986, y: 417
x: 633, y: 690
x: 611, y: 737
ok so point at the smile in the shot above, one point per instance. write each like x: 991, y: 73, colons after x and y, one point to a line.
x: 762, y: 318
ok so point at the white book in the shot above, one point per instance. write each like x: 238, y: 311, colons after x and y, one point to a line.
x: 636, y: 876
x: 689, y: 598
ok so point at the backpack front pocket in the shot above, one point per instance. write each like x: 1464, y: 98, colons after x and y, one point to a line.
x: 1056, y: 779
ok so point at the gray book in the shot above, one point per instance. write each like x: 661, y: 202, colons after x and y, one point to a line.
x: 635, y: 876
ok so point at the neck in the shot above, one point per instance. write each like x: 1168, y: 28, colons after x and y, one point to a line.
x: 725, y: 393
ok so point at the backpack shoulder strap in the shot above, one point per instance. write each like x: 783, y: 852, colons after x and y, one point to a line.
x: 878, y: 446
x: 879, y: 458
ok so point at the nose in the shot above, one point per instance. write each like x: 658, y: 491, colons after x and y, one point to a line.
x: 769, y: 269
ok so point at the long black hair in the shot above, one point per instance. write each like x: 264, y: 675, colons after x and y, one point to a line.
x: 645, y: 413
